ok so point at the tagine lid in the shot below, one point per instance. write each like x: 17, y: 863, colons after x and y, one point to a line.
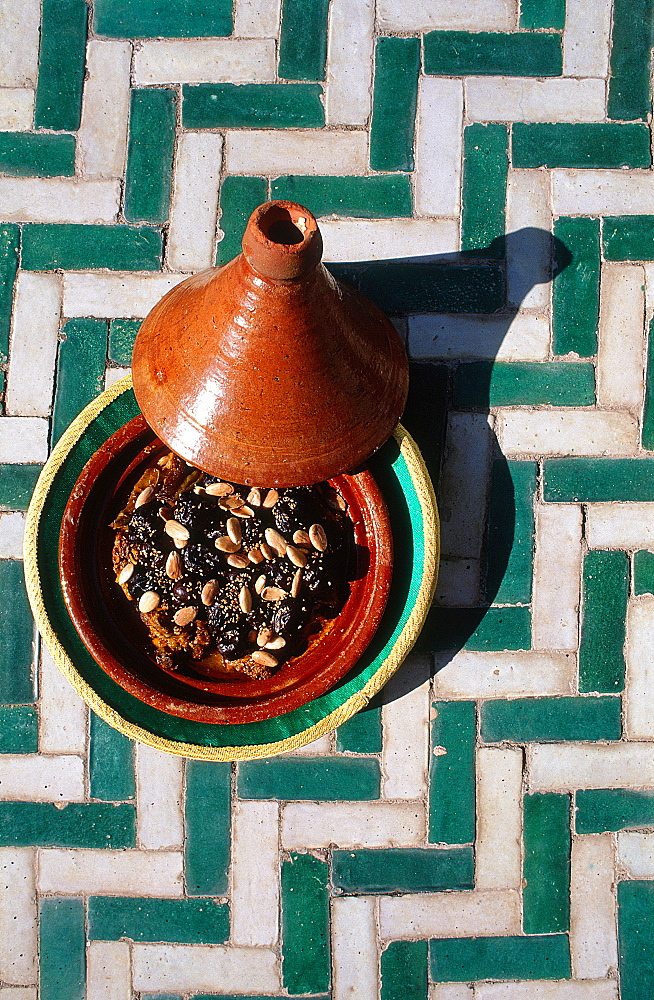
x: 268, y: 371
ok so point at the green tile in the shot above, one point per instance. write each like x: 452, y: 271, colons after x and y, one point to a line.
x: 17, y: 484
x: 403, y: 869
x: 395, y: 99
x: 252, y: 105
x: 413, y: 288
x: 42, y: 824
x: 511, y: 532
x: 404, y: 971
x: 62, y: 949
x: 475, y: 628
x: 305, y: 924
x: 647, y: 434
x: 551, y: 720
x: 37, y: 154
x: 111, y: 763
x: 182, y: 921
x: 362, y: 733
x: 485, y: 166
x: 122, y: 334
x: 542, y: 14
x: 425, y: 413
x: 239, y: 196
x: 480, y: 384
x: 563, y: 144
x: 596, y: 480
x: 62, y: 58
x: 80, y: 370
x: 452, y: 774
x: 351, y: 197
x: 635, y: 929
x: 168, y: 996
x: 546, y: 863
x: 462, y: 960
x: 631, y: 44
x: 19, y: 729
x: 148, y: 176
x: 628, y: 237
x: 608, y: 809
x: 316, y: 778
x: 486, y: 53
x: 643, y: 572
x: 303, y: 40
x: 207, y: 846
x: 9, y: 249
x: 17, y: 640
x: 173, y: 19
x: 605, y: 595
x: 80, y: 248
x: 575, y: 289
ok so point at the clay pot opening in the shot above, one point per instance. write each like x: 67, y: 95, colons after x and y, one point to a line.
x: 279, y: 226
x: 282, y: 241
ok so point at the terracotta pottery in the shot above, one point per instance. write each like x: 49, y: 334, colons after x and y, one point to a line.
x: 268, y: 371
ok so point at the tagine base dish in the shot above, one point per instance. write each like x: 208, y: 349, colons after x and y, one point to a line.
x: 404, y: 483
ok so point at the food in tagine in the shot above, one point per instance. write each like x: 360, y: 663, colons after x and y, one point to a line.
x: 227, y: 578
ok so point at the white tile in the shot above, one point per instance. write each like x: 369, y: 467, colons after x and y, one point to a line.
x: 355, y: 963
x: 505, y: 674
x: 451, y: 991
x: 102, y: 136
x: 586, y: 38
x: 528, y: 251
x: 383, y: 239
x: 159, y: 796
x: 18, y: 916
x: 108, y: 971
x: 439, y: 124
x: 322, y: 745
x: 545, y: 989
x: 593, y: 937
x: 253, y: 151
x: 525, y: 337
x: 458, y: 583
x: 352, y: 824
x: 62, y: 713
x: 110, y: 295
x: 257, y: 18
x: 602, y: 192
x: 617, y: 765
x: 450, y: 914
x: 16, y: 108
x: 620, y: 525
x: 639, y: 685
x: 58, y: 199
x: 33, y: 352
x: 18, y: 993
x: 483, y: 15
x: 255, y: 874
x: 23, y: 439
x: 113, y: 375
x: 498, y: 849
x: 19, y: 42
x: 463, y: 484
x: 557, y: 577
x: 203, y: 60
x: 194, y: 205
x: 566, y: 432
x: 110, y: 873
x: 12, y: 529
x: 350, y: 45
x: 620, y: 353
x: 187, y: 968
x: 636, y: 853
x: 31, y: 778
x: 514, y: 99
x: 405, y: 720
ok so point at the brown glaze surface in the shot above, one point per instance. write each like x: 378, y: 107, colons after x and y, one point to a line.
x: 117, y: 639
x: 268, y: 370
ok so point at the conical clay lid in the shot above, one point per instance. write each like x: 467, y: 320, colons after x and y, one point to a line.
x: 268, y: 371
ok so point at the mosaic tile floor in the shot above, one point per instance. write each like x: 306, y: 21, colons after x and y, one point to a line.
x: 483, y: 832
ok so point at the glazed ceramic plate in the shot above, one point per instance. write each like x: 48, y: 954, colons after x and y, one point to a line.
x: 401, y: 476
x: 114, y: 634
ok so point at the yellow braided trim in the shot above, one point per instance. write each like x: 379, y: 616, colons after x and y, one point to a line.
x: 356, y: 702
